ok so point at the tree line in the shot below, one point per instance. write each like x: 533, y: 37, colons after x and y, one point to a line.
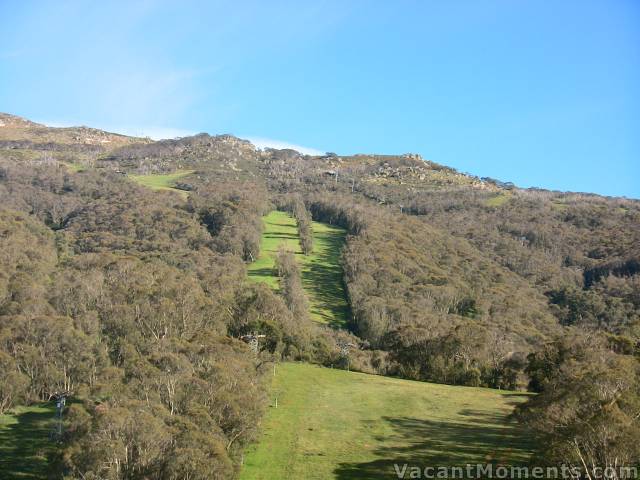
x: 136, y: 300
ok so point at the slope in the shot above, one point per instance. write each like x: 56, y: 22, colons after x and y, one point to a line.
x: 25, y: 443
x: 321, y: 270
x: 333, y: 424
x: 163, y: 182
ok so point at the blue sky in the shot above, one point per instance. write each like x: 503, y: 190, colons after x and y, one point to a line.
x: 541, y: 93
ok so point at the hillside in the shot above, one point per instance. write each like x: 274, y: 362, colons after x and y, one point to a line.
x: 38, y: 136
x: 332, y: 424
x: 25, y: 442
x: 321, y: 270
x: 133, y: 273
x: 167, y: 182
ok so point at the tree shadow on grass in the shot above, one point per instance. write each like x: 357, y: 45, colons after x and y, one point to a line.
x: 323, y: 277
x: 282, y: 235
x: 261, y: 272
x: 24, y: 445
x: 514, y: 399
x: 482, y: 438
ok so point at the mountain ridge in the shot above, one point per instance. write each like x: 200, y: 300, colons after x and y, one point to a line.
x: 16, y: 128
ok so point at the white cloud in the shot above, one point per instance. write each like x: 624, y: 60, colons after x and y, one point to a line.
x: 262, y: 142
x: 53, y: 124
x: 156, y: 133
x: 160, y: 133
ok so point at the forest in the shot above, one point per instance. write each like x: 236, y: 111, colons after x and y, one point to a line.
x: 134, y: 302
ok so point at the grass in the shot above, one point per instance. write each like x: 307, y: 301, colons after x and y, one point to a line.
x: 321, y: 270
x: 497, y: 200
x: 74, y: 167
x: 333, y: 424
x: 163, y: 182
x: 24, y: 442
x: 279, y: 229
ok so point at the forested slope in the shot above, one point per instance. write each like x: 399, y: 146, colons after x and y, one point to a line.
x: 135, y: 301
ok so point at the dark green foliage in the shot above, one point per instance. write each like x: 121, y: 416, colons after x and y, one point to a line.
x: 587, y: 412
x: 260, y: 310
x: 303, y: 220
x: 401, y: 274
x: 232, y: 215
x: 290, y: 282
x: 611, y: 304
x: 14, y: 384
x: 129, y: 306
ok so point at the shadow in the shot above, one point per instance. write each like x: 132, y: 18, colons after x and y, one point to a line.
x: 260, y: 272
x: 482, y: 438
x: 514, y: 399
x: 323, y: 279
x: 321, y: 271
x: 282, y: 235
x: 24, y: 445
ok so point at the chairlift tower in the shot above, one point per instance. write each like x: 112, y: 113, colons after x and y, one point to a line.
x: 345, y: 349
x: 253, y: 340
x: 61, y: 402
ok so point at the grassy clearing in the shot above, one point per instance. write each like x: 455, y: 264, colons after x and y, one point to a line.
x: 279, y: 229
x: 559, y: 205
x: 321, y: 270
x: 333, y: 424
x: 497, y: 200
x: 74, y: 167
x: 163, y: 182
x: 24, y: 442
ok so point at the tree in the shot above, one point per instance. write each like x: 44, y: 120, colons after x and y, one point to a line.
x: 291, y: 284
x: 586, y: 415
x: 303, y: 220
x: 13, y: 384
